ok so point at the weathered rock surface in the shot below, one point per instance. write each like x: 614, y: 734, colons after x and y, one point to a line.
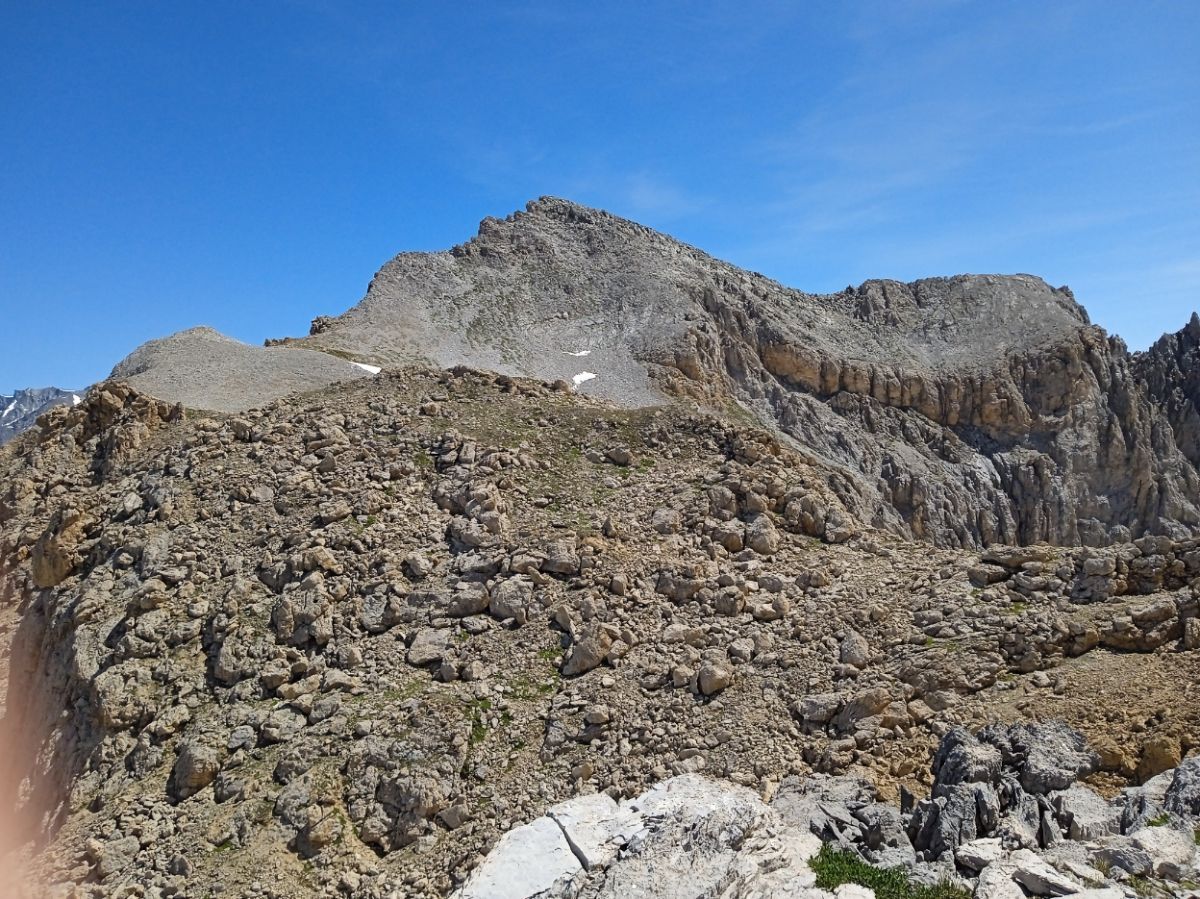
x: 1171, y: 370
x: 689, y: 836
x: 685, y: 837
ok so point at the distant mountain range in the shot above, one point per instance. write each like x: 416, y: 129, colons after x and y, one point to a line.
x: 20, y: 410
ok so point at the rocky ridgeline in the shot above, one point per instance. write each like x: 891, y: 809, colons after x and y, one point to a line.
x: 203, y: 369
x: 964, y: 411
x: 1007, y: 818
x: 341, y: 645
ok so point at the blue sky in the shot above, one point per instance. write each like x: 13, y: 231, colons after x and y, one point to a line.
x: 250, y: 165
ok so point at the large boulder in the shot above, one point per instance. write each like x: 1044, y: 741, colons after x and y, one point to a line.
x: 196, y: 767
x: 1083, y: 815
x: 687, y: 836
x: 961, y: 758
x: 1046, y: 756
x: 1183, y: 794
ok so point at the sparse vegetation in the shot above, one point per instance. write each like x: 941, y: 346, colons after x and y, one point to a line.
x: 835, y: 867
x: 479, y: 708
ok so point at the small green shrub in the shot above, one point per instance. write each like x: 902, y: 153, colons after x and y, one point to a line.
x: 835, y: 867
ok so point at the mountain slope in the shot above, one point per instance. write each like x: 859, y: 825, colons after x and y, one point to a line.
x: 345, y: 642
x: 965, y: 410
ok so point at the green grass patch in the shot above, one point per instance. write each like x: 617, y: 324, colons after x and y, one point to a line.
x: 835, y: 867
x: 1159, y: 820
x: 407, y: 690
x: 524, y: 688
x: 479, y: 708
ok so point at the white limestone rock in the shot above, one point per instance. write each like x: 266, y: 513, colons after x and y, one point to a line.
x: 528, y: 861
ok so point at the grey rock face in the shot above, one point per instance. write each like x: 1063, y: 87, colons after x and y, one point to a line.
x: 685, y: 837
x: 961, y: 758
x: 1085, y: 816
x: 20, y: 410
x: 1049, y: 756
x: 1183, y: 795
x: 1171, y: 370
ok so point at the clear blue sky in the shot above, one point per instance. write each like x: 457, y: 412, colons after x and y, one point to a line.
x: 250, y: 165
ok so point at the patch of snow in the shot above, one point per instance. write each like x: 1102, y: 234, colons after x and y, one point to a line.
x: 10, y: 407
x: 580, y: 353
x: 583, y: 376
x: 76, y: 399
x: 373, y: 369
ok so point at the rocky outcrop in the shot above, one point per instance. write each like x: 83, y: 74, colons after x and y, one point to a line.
x: 1171, y: 372
x: 1007, y: 818
x: 686, y: 836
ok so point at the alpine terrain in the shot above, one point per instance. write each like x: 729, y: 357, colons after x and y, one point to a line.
x: 574, y: 562
x: 20, y: 411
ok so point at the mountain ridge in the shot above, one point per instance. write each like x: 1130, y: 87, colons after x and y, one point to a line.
x: 1006, y: 373
x: 356, y: 631
x: 965, y: 410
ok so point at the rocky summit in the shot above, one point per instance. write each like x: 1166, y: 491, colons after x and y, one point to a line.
x: 573, y: 562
